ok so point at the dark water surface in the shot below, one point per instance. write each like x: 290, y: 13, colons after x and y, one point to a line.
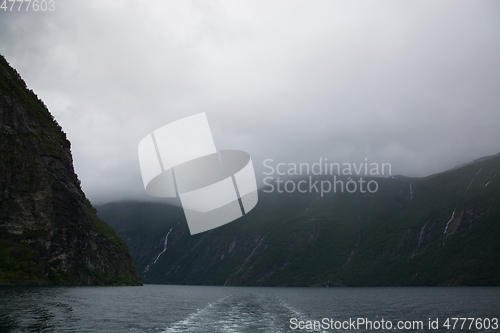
x: 164, y: 308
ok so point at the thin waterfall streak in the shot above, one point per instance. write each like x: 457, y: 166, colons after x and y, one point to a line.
x: 164, y: 247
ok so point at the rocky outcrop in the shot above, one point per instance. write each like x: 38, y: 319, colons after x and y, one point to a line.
x: 49, y: 231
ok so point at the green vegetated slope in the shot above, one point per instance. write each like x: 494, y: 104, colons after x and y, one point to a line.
x: 49, y: 231
x: 439, y: 230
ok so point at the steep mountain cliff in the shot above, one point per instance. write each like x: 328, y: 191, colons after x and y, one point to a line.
x: 49, y: 231
x: 438, y: 230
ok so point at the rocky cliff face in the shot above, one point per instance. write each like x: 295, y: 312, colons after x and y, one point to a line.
x: 49, y: 231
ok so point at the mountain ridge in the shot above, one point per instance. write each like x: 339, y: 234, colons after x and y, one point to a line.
x: 436, y: 230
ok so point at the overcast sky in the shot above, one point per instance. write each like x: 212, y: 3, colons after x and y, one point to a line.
x: 411, y: 83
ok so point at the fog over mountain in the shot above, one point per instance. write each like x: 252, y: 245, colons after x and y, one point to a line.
x: 413, y: 84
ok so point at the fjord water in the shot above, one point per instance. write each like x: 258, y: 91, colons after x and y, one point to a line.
x: 167, y: 308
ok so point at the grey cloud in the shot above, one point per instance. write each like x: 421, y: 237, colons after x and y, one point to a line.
x: 414, y: 84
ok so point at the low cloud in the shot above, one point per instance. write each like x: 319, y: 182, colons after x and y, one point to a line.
x: 414, y: 84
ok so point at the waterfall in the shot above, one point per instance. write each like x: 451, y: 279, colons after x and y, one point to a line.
x: 159, y: 254
x: 164, y: 247
x: 473, y: 180
x: 451, y: 219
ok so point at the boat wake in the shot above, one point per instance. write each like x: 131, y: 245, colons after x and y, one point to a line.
x: 242, y: 313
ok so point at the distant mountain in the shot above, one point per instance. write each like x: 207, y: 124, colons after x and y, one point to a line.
x: 438, y: 230
x: 49, y: 231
